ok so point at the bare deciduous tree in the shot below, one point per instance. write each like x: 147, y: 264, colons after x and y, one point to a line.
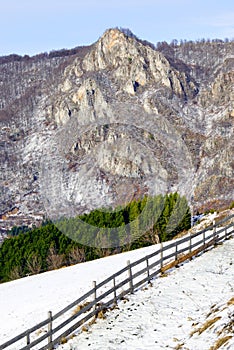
x: 152, y: 236
x: 77, y: 255
x: 15, y: 273
x: 54, y: 260
x: 34, y: 264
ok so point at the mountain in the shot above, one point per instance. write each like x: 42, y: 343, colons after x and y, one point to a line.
x: 100, y: 125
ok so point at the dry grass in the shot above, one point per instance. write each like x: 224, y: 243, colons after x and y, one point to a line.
x: 93, y: 321
x: 227, y: 328
x: 213, y: 310
x: 163, y: 274
x: 206, y: 325
x: 114, y: 307
x: 72, y: 336
x: 84, y: 328
x: 220, y: 342
x: 40, y: 331
x: 124, y: 299
x: 179, y: 346
x: 190, y: 318
x: 101, y: 314
x: 80, y: 307
x: 63, y: 340
x: 187, y: 256
x: 231, y: 301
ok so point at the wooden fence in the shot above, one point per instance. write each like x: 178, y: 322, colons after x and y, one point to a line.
x: 115, y: 287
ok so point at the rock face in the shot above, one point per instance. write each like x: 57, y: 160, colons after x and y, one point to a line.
x: 98, y: 126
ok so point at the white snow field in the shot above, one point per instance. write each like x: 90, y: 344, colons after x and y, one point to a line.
x: 169, y: 313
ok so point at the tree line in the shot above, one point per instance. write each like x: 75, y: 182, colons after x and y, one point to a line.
x: 52, y: 245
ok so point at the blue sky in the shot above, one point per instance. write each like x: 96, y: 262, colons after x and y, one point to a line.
x: 32, y: 26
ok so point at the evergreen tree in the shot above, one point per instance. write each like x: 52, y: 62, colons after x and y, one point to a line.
x: 138, y: 224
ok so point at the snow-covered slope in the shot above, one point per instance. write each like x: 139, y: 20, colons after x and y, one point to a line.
x: 165, y: 315
x: 192, y: 308
x: 26, y: 301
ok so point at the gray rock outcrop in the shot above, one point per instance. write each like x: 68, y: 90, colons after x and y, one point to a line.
x: 108, y: 123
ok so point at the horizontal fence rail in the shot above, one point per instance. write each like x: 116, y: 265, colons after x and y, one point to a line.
x: 115, y: 287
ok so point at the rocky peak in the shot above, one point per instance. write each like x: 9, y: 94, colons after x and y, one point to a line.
x: 112, y: 122
x: 135, y: 64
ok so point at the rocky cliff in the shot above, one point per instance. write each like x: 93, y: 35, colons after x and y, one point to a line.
x: 100, y: 125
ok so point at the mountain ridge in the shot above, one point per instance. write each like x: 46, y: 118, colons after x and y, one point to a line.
x: 62, y: 140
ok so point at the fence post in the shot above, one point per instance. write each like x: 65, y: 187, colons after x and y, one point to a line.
x: 28, y: 338
x: 94, y: 296
x: 190, y: 242
x: 204, y: 237
x: 148, y: 274
x: 115, y: 296
x: 214, y: 233
x: 130, y: 276
x: 161, y: 255
x: 225, y: 233
x: 176, y: 251
x: 50, y: 329
x: 204, y: 241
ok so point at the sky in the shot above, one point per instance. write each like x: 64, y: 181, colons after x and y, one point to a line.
x: 32, y: 26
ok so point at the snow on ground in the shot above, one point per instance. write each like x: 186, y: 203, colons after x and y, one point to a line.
x: 155, y: 318
x: 191, y: 308
x: 26, y: 301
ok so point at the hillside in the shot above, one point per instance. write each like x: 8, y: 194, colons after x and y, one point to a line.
x: 192, y: 308
x: 171, y: 312
x: 101, y: 125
